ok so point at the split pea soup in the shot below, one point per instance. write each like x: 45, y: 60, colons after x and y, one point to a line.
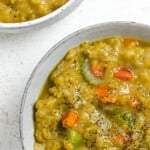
x: 12, y: 11
x: 97, y: 98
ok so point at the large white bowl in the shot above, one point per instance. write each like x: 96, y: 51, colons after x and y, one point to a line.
x: 55, y: 54
x: 48, y: 19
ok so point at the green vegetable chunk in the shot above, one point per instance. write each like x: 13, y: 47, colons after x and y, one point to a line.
x: 89, y: 77
x: 127, y: 118
x: 74, y: 138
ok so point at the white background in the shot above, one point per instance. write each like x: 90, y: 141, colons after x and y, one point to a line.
x: 19, y: 54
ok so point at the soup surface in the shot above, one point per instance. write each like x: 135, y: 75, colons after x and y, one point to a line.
x: 24, y: 10
x: 97, y: 98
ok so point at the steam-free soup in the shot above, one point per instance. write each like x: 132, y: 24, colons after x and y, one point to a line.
x: 25, y: 10
x: 97, y: 98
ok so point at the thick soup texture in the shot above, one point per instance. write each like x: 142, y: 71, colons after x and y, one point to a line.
x: 97, y: 98
x: 24, y: 10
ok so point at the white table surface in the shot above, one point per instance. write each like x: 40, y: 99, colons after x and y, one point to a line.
x: 19, y: 54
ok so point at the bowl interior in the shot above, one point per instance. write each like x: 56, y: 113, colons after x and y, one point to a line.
x: 54, y: 55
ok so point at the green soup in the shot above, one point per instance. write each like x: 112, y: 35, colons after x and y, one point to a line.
x: 97, y: 98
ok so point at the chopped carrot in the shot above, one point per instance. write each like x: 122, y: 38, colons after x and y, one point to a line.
x: 123, y: 74
x: 108, y: 100
x: 121, y: 138
x: 103, y: 92
x: 98, y: 70
x: 130, y: 43
x: 70, y: 119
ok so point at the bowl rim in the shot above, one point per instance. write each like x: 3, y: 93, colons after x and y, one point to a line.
x: 53, y: 49
x: 39, y: 20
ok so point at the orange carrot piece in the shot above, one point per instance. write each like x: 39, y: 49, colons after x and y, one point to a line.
x: 121, y: 138
x: 70, y: 119
x: 123, y: 74
x: 108, y: 100
x: 103, y: 90
x: 97, y: 70
x: 130, y: 43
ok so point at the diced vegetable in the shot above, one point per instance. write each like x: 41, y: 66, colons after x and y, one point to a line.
x: 108, y: 100
x: 130, y: 43
x: 121, y: 138
x: 87, y: 74
x: 74, y: 138
x: 103, y: 92
x: 98, y: 70
x: 123, y: 74
x: 128, y: 118
x: 70, y: 119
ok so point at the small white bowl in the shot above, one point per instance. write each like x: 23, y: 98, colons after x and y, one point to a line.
x: 55, y: 54
x: 48, y: 19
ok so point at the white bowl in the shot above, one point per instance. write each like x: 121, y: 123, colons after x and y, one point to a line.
x: 40, y: 22
x: 55, y: 54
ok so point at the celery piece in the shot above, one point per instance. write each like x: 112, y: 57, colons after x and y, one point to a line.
x: 87, y: 74
x: 74, y: 138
